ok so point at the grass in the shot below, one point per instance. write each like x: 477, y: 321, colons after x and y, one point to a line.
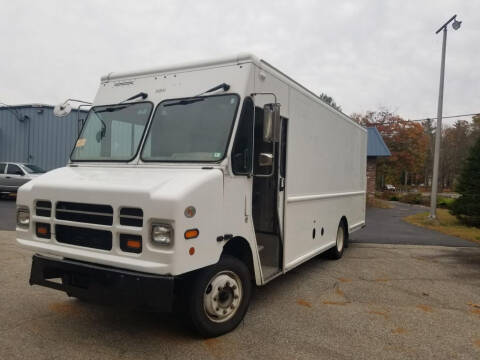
x: 445, y: 223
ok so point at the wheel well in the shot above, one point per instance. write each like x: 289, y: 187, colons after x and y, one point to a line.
x: 239, y: 248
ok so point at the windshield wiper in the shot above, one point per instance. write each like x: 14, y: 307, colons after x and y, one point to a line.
x: 186, y: 101
x: 198, y: 98
x: 140, y: 94
x: 223, y: 86
x: 111, y: 109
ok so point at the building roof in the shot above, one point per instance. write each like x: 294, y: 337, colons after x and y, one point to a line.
x: 375, y: 144
x: 33, y: 106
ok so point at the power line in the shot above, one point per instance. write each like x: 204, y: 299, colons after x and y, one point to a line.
x: 430, y: 118
x: 446, y: 117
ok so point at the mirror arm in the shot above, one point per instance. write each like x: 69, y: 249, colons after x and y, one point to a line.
x: 265, y: 93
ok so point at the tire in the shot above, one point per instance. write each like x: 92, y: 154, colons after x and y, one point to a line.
x: 219, y: 297
x: 336, y: 252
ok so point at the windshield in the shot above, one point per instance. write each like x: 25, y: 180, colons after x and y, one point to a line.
x: 112, y: 132
x: 191, y: 129
x: 33, y: 169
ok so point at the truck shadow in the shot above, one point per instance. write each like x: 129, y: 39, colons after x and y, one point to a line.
x: 76, y: 315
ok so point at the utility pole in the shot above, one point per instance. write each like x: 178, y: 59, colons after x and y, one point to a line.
x: 438, y: 132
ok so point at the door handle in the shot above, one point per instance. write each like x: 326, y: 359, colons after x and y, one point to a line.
x: 281, y: 186
x: 8, y: 177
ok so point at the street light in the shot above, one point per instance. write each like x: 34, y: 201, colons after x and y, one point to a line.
x: 438, y: 132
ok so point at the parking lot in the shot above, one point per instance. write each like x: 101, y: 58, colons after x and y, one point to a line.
x: 379, y: 301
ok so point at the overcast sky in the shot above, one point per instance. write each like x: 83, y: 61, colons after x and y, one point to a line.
x: 366, y: 54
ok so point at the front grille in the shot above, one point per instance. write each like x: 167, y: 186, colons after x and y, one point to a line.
x: 131, y: 217
x: 92, y: 238
x: 85, y: 213
x: 43, y: 208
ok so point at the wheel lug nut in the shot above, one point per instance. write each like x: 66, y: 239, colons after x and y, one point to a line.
x: 224, y: 312
x: 217, y: 309
x: 232, y: 306
x: 228, y: 283
x: 235, y: 296
x: 234, y: 287
x: 219, y: 288
x: 215, y: 299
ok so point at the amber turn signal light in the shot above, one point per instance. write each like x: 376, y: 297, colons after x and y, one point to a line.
x: 43, y: 230
x: 191, y: 234
x: 131, y: 243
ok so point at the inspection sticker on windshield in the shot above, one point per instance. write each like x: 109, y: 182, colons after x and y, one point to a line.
x: 81, y: 142
x: 217, y: 155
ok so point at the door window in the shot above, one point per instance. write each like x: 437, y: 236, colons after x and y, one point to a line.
x: 13, y: 169
x: 242, y: 147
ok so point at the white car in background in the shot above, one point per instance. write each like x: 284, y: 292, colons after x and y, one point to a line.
x: 13, y: 175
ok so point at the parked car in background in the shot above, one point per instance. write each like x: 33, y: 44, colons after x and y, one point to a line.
x: 389, y: 187
x: 14, y: 175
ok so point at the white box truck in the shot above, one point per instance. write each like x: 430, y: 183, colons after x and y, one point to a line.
x: 190, y: 184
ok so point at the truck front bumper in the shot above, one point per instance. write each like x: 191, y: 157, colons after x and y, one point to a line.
x: 104, y: 284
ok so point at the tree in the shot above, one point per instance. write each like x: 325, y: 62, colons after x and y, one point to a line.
x: 475, y: 127
x: 329, y: 100
x: 467, y: 206
x: 456, y: 142
x: 407, y: 142
x: 429, y: 131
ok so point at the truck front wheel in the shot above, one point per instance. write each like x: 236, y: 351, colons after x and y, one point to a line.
x: 220, y: 296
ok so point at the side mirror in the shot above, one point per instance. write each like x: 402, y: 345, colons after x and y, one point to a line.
x: 265, y: 159
x: 271, y: 122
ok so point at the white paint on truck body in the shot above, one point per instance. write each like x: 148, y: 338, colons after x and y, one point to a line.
x: 325, y: 177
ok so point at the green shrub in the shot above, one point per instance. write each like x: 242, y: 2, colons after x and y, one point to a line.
x: 467, y: 207
x: 444, y: 202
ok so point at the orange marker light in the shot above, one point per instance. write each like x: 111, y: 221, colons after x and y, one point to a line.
x: 191, y: 234
x: 191, y: 251
x: 42, y: 230
x: 134, y: 244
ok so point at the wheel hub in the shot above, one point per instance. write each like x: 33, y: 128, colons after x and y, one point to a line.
x: 222, y: 296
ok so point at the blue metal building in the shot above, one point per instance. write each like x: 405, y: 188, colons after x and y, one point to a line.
x: 33, y: 134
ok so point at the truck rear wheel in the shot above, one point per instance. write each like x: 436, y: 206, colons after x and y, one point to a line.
x: 342, y: 235
x: 220, y: 296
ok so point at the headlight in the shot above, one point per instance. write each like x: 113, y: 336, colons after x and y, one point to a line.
x: 23, y: 217
x: 162, y: 234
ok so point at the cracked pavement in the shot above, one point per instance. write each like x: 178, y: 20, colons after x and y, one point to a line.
x: 378, y: 301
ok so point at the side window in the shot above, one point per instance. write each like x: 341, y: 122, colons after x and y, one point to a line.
x: 243, y: 145
x: 13, y: 169
x: 2, y: 168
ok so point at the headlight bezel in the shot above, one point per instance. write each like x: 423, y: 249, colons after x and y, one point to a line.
x: 24, y: 212
x: 167, y: 233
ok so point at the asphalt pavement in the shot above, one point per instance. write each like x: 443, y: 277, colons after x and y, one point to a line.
x: 380, y: 301
x: 377, y: 302
x: 386, y: 226
x: 7, y: 214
